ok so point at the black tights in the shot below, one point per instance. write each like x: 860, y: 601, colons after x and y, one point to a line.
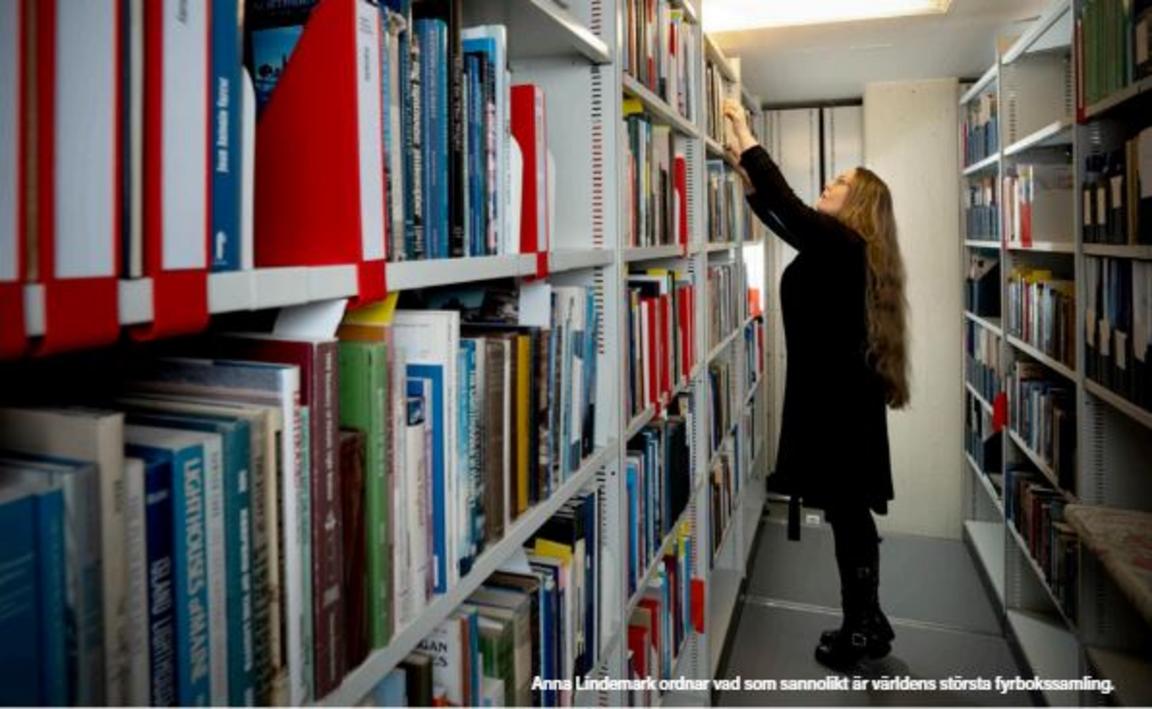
x: 854, y: 531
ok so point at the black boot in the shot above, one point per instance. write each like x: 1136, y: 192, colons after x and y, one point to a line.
x: 865, y: 633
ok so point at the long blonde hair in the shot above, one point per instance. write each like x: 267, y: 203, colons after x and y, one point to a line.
x: 868, y: 210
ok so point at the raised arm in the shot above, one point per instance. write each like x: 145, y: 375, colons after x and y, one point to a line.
x: 773, y: 200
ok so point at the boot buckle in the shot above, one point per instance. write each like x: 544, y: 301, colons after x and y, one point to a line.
x: 859, y: 640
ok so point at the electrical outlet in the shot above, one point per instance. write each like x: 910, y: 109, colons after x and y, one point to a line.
x: 811, y: 519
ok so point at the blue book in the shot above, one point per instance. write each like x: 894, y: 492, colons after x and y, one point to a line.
x: 189, y: 555
x: 32, y: 668
x: 432, y: 35
x: 227, y: 112
x: 475, y: 153
x: 633, y: 515
x: 236, y: 443
x: 548, y: 620
x: 467, y: 448
x: 432, y: 376
x: 161, y: 591
x: 276, y: 26
x: 392, y: 691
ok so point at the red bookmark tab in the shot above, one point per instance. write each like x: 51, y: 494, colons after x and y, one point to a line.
x: 80, y: 313
x: 179, y: 305
x: 372, y: 283
x: 1000, y: 411
x: 542, y: 264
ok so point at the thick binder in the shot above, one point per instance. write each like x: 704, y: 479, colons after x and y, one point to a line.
x: 320, y: 170
x: 177, y: 168
x: 529, y: 128
x: 77, y: 155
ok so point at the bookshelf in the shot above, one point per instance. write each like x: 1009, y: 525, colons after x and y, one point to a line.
x: 1068, y: 617
x: 574, y: 54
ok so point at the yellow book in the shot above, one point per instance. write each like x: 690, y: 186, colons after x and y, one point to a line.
x: 554, y: 550
x: 524, y: 373
x: 370, y: 323
x: 632, y: 106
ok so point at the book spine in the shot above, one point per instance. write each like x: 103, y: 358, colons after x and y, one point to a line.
x: 136, y: 553
x: 190, y: 563
x: 82, y: 551
x: 160, y: 528
x: 218, y: 630
x: 413, y: 126
x: 303, y: 671
x: 238, y: 550
x: 226, y: 98
x: 327, y: 557
x: 457, y: 166
x: 50, y: 566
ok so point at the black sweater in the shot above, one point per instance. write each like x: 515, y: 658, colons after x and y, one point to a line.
x: 834, y: 433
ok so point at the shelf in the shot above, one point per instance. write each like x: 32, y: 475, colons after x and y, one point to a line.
x: 1119, y: 99
x: 714, y: 55
x: 657, y: 107
x: 980, y: 85
x: 1041, y: 464
x: 1050, y: 247
x: 714, y: 246
x: 714, y: 147
x: 977, y: 167
x: 1136, y: 413
x: 979, y: 397
x: 1052, y: 31
x: 985, y: 483
x: 539, y: 28
x: 986, y: 539
x: 1118, y: 539
x: 638, y: 422
x: 1054, y: 134
x: 987, y: 323
x: 715, y: 351
x: 360, y: 681
x: 982, y: 244
x: 228, y: 292
x: 407, y: 275
x: 1134, y: 251
x: 573, y: 260
x: 1040, y: 578
x: 649, y: 253
x: 1050, y: 650
x: 1049, y: 362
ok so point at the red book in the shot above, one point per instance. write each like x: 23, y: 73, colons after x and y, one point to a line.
x: 1025, y: 223
x: 74, y: 98
x: 653, y: 608
x: 529, y: 128
x: 698, y: 605
x: 320, y: 177
x: 638, y: 645
x: 651, y: 349
x: 319, y: 391
x: 681, y: 181
x: 666, y: 338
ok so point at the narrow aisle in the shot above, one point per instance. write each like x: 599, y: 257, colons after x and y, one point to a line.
x: 945, y: 623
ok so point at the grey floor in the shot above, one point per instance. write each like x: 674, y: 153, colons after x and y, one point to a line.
x: 930, y: 589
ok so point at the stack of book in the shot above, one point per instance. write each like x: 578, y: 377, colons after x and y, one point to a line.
x: 538, y: 617
x: 1037, y: 513
x: 754, y: 352
x: 661, y: 336
x: 656, y: 201
x: 979, y: 129
x: 663, y: 617
x: 659, y: 51
x: 1112, y: 38
x: 1042, y: 312
x: 722, y: 400
x: 725, y: 298
x: 982, y: 285
x: 716, y: 89
x: 982, y: 210
x: 658, y: 478
x: 1115, y: 209
x: 1038, y: 201
x: 982, y: 360
x: 729, y: 217
x: 724, y: 481
x: 291, y: 499
x: 1118, y: 333
x: 1042, y: 412
x: 982, y: 438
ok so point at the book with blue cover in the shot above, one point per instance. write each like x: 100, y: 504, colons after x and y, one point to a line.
x: 33, y: 670
x: 227, y: 102
x: 432, y: 37
x: 190, y: 564
x: 236, y: 441
x: 79, y: 484
x: 274, y: 28
x: 392, y: 691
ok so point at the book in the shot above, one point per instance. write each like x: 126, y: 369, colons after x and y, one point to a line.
x: 418, y: 675
x: 138, y: 682
x: 226, y: 99
x: 529, y: 128
x: 353, y: 445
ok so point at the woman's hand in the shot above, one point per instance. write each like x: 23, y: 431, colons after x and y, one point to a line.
x: 739, y: 138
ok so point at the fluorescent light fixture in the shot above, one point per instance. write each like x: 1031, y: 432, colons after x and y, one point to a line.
x: 726, y: 15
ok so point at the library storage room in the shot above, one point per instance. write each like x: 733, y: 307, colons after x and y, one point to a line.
x: 575, y: 352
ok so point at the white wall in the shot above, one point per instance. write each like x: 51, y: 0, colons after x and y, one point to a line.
x: 910, y: 141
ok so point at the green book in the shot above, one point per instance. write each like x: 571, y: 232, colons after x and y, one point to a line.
x: 497, y: 646
x: 364, y: 406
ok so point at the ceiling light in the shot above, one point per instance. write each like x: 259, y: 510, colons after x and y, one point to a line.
x: 725, y: 15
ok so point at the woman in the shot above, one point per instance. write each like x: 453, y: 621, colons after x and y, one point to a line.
x: 843, y: 306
